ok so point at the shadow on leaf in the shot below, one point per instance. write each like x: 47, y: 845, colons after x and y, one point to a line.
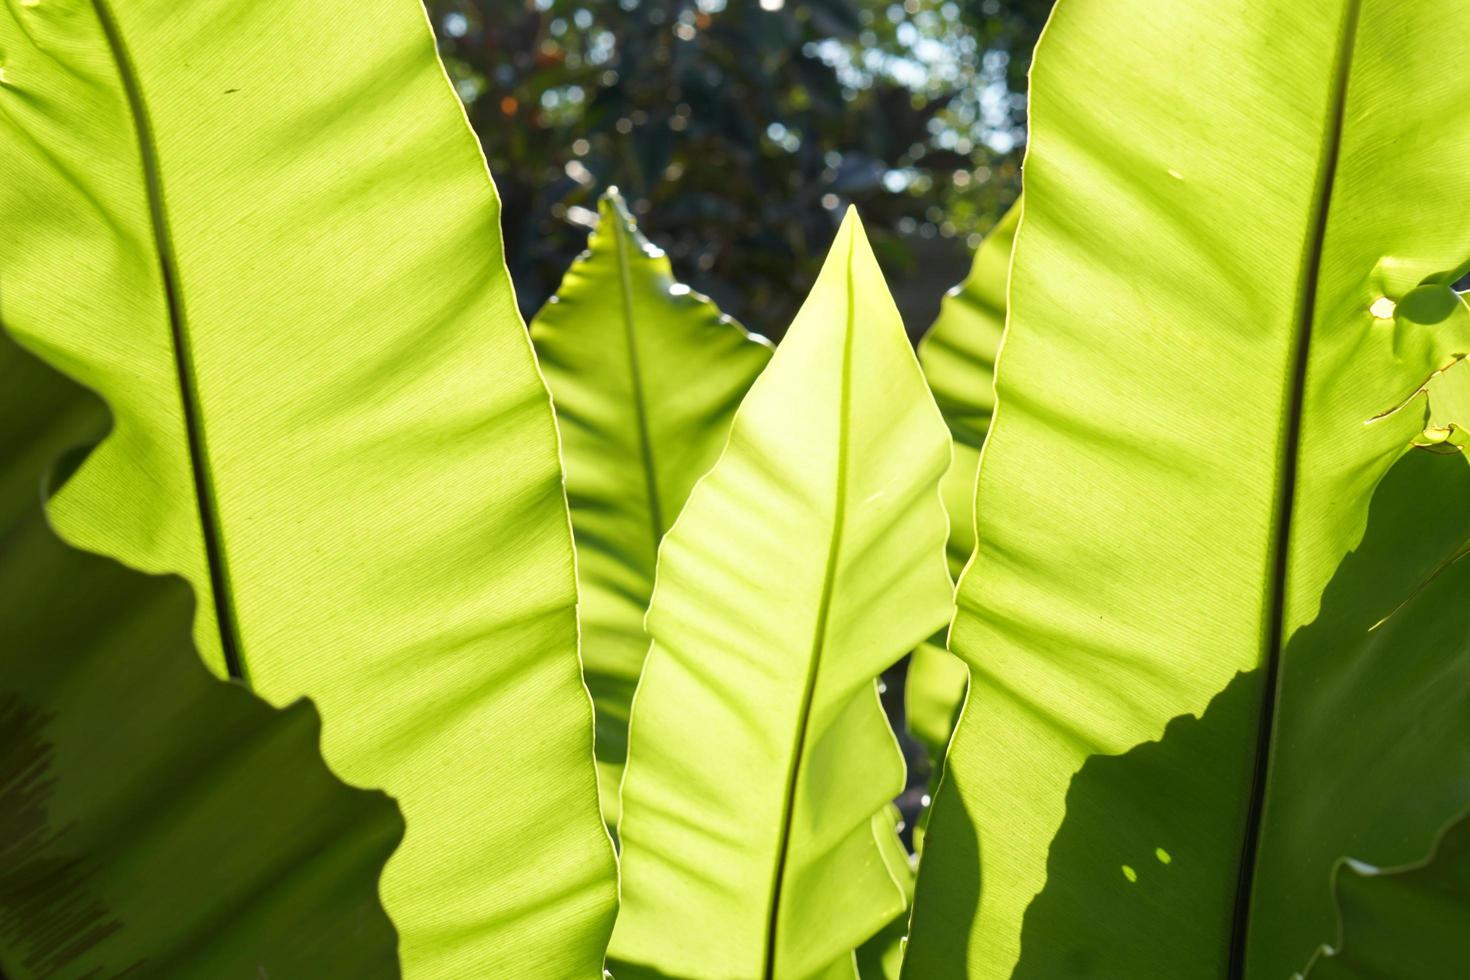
x: 153, y: 818
x: 1371, y: 754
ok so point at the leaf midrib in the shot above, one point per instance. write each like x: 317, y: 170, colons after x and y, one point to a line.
x: 208, y: 507
x: 640, y: 409
x: 819, y: 634
x: 1285, y: 499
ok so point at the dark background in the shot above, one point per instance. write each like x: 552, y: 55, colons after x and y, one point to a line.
x: 740, y: 130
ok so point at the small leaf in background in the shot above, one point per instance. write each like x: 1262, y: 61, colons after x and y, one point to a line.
x: 933, y: 693
x: 807, y: 561
x: 958, y: 357
x: 645, y: 376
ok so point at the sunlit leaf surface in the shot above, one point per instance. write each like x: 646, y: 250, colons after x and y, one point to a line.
x: 646, y: 376
x: 1218, y: 198
x: 265, y: 235
x: 806, y: 562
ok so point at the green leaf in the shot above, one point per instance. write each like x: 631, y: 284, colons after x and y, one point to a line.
x: 958, y: 357
x: 1373, y: 708
x: 808, y: 560
x: 1181, y: 461
x: 279, y: 263
x: 881, y: 958
x: 1402, y: 922
x: 934, y: 691
x: 154, y: 819
x: 1447, y: 397
x: 958, y: 352
x: 646, y: 376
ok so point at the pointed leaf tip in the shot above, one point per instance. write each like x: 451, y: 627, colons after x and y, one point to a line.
x: 852, y: 223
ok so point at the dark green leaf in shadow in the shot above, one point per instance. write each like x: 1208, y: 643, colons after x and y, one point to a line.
x: 950, y: 831
x: 1428, y: 304
x: 1370, y: 755
x: 154, y: 820
x: 1129, y: 857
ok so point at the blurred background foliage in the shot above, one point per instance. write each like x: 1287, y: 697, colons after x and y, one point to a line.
x: 739, y: 131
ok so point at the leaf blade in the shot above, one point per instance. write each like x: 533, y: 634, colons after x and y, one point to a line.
x: 779, y: 873
x: 644, y: 409
x: 1406, y: 920
x: 377, y: 445
x: 958, y: 357
x: 1169, y: 342
x: 261, y: 860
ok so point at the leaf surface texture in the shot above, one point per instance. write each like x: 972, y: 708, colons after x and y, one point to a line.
x: 1218, y: 197
x: 646, y: 376
x: 808, y: 560
x: 266, y: 236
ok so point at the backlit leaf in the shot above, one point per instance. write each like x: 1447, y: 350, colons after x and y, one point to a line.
x: 1228, y: 207
x: 646, y: 376
x: 266, y: 236
x: 806, y: 562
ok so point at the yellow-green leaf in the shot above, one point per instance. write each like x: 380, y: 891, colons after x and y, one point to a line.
x: 934, y: 690
x: 808, y: 560
x: 881, y: 957
x: 958, y: 352
x: 645, y: 375
x: 1226, y: 206
x: 265, y: 234
x: 958, y: 357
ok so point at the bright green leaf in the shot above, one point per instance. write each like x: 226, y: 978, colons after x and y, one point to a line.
x: 646, y: 376
x: 265, y: 235
x: 1447, y: 396
x: 154, y: 820
x: 933, y: 692
x: 958, y: 357
x: 808, y: 560
x: 881, y: 958
x: 1219, y: 199
x: 958, y: 352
